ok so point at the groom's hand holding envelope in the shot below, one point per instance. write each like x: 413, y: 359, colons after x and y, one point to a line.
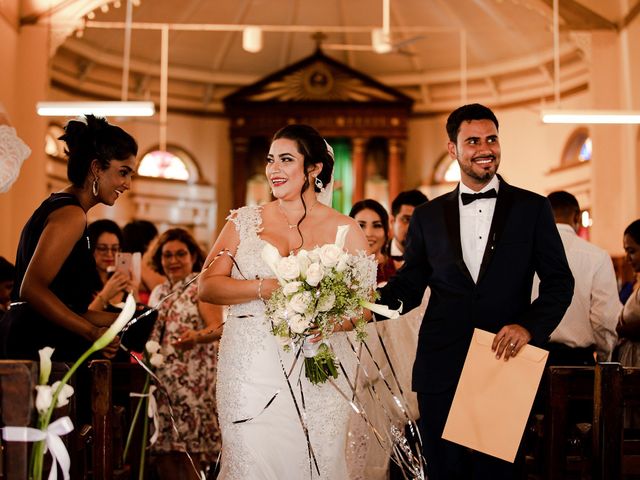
x: 509, y: 340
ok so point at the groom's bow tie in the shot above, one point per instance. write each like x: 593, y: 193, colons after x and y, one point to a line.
x: 467, y: 198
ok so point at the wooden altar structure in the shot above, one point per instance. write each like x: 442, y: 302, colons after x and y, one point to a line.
x: 329, y: 95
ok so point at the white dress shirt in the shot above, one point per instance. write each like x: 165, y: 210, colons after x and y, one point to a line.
x: 394, y: 249
x: 593, y: 314
x: 475, y: 223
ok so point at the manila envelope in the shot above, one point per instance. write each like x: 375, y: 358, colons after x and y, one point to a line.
x: 494, y: 398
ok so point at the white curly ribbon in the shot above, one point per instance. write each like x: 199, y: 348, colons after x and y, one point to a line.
x: 152, y: 410
x: 54, y: 443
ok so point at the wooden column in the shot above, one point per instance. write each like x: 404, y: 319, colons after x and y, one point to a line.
x: 394, y: 168
x: 240, y: 164
x: 358, y: 161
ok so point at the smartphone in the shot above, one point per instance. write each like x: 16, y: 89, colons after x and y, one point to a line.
x: 123, y: 263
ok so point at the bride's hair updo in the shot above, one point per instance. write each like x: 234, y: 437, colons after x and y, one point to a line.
x: 313, y: 147
x: 91, y: 138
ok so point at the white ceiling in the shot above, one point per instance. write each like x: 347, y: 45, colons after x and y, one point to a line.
x: 509, y: 46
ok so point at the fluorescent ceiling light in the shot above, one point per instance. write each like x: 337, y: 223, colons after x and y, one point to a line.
x: 101, y: 109
x: 590, y: 116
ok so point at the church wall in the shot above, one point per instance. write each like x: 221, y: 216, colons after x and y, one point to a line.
x: 8, y: 51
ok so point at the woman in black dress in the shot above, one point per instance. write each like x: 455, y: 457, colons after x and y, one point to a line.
x: 54, y: 264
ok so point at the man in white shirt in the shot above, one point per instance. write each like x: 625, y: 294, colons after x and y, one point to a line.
x: 402, y: 208
x: 590, y: 321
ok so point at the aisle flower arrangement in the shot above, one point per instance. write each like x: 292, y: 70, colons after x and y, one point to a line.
x: 50, y: 397
x: 320, y: 289
x: 153, y: 358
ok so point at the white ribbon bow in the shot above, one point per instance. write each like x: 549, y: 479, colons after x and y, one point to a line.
x: 152, y: 411
x: 54, y: 443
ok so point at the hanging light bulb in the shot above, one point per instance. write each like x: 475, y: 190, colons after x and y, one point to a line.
x: 117, y: 4
x: 252, y: 39
x: 91, y: 15
x: 104, y: 8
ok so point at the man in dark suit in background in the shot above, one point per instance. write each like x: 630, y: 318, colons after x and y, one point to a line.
x: 478, y: 248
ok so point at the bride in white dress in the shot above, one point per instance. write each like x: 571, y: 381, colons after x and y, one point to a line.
x: 262, y: 440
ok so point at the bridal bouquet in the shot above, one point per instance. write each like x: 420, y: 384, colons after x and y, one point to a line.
x: 319, y: 289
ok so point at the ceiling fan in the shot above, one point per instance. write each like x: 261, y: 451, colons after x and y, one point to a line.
x: 381, y: 46
x: 380, y: 38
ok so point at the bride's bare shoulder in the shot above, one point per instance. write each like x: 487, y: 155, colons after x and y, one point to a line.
x: 330, y: 216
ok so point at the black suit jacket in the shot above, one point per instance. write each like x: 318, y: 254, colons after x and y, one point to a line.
x: 523, y: 239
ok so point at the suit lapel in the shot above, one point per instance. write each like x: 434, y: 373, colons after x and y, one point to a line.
x: 503, y: 205
x: 452, y: 221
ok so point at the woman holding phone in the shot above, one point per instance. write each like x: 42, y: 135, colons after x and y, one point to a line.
x: 112, y: 282
x: 52, y: 293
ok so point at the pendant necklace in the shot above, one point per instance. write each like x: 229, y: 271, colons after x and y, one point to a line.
x: 284, y: 214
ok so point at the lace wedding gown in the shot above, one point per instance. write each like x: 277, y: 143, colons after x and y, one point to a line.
x: 271, y: 445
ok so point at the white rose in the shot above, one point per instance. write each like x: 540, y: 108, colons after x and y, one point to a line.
x: 300, y: 302
x: 152, y: 346
x: 283, y: 341
x: 315, y: 273
x: 303, y: 261
x: 326, y: 302
x: 298, y: 323
x: 291, y: 288
x: 314, y: 255
x: 156, y: 359
x: 280, y: 314
x: 330, y: 254
x: 343, y: 263
x: 288, y: 268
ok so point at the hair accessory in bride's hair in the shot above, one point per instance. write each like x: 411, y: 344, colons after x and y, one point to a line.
x: 329, y: 149
x: 326, y: 191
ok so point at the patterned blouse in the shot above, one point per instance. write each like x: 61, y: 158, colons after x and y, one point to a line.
x: 188, y: 375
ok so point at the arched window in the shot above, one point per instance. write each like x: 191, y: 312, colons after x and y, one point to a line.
x: 52, y: 145
x: 173, y: 163
x: 578, y: 148
x: 447, y: 170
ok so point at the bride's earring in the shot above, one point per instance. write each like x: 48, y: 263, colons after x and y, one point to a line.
x: 318, y: 183
x: 95, y: 187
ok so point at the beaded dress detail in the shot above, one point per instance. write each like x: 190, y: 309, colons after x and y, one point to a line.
x: 271, y: 445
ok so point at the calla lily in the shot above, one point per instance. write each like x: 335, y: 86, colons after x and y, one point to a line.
x: 124, y: 317
x: 341, y: 235
x: 44, y: 397
x: 45, y: 364
x: 271, y: 256
x: 64, y: 395
x: 382, y: 309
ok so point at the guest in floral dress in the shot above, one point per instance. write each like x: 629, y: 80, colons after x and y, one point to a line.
x: 188, y: 332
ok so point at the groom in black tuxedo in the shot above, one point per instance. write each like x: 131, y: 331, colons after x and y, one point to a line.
x: 477, y: 248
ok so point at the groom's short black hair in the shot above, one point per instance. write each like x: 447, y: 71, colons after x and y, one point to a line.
x: 466, y: 113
